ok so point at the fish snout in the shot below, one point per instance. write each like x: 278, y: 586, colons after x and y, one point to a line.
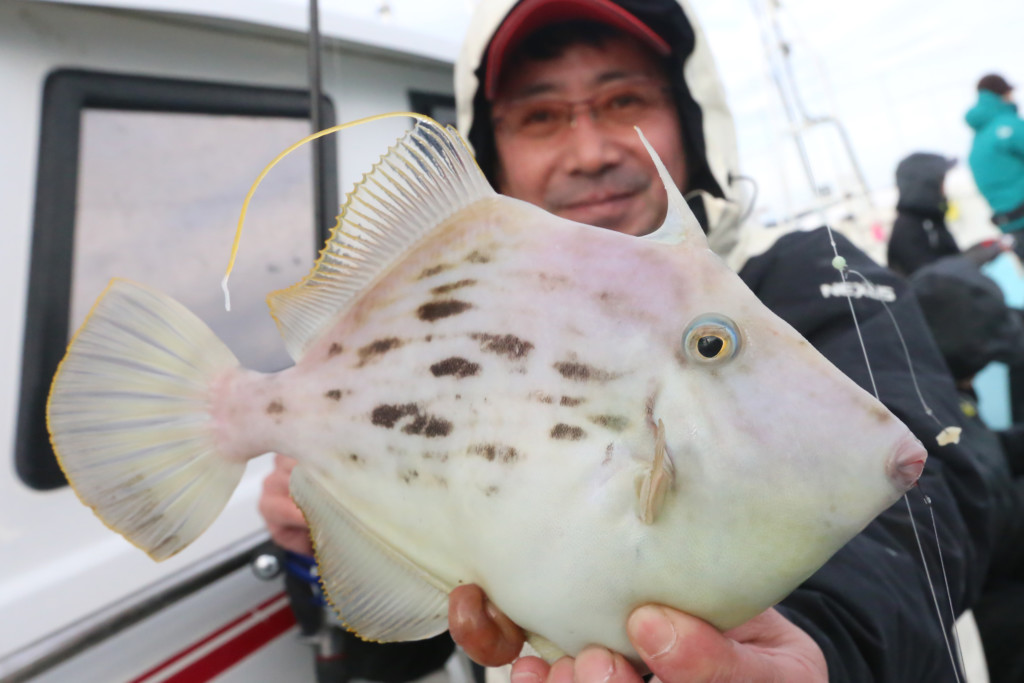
x: 906, y: 463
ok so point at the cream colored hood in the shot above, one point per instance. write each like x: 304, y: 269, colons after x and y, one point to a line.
x: 702, y: 80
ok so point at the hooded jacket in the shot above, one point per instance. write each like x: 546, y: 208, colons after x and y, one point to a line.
x: 997, y: 154
x: 870, y: 607
x: 919, y: 234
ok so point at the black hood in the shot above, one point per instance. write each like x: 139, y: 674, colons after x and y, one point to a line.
x: 968, y: 316
x: 919, y: 179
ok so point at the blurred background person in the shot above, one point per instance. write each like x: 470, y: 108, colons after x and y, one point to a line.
x: 920, y: 235
x: 997, y: 152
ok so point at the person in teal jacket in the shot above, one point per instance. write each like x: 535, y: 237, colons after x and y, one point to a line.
x: 997, y: 153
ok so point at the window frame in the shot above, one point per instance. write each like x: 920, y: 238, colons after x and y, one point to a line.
x: 66, y: 94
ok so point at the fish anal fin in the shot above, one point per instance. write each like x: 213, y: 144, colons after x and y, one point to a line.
x: 379, y: 594
x: 656, y: 481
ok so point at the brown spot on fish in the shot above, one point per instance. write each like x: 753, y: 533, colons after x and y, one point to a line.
x: 435, y: 310
x: 566, y: 432
x: 441, y: 481
x: 275, y: 408
x: 428, y: 425
x: 581, y: 372
x: 608, y: 454
x: 452, y: 286
x: 389, y: 415
x: 571, y: 401
x: 506, y: 345
x: 355, y: 458
x: 493, y: 451
x: 491, y: 490
x: 477, y: 256
x: 378, y: 348
x: 417, y: 425
x: 616, y: 423
x: 542, y: 397
x: 408, y: 476
x: 333, y: 394
x: 456, y: 367
x: 437, y: 427
x: 335, y: 349
x: 434, y: 270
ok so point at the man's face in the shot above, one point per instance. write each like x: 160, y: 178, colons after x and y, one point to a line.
x: 596, y: 170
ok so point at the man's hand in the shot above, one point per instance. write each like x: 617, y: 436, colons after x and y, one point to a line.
x: 676, y: 647
x: 285, y: 522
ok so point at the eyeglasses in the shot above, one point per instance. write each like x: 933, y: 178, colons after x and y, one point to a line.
x: 621, y: 104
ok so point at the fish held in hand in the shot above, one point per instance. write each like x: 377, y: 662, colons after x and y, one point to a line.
x: 579, y: 421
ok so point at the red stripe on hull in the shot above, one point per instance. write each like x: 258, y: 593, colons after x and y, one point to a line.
x: 228, y: 653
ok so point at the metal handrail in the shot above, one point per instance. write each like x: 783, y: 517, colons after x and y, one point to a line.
x: 62, y: 645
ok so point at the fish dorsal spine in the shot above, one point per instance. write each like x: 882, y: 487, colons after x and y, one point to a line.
x: 428, y: 175
x: 680, y: 225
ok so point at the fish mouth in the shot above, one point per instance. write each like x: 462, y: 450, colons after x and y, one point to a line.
x: 906, y: 463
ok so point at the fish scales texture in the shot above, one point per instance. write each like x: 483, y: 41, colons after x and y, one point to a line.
x: 500, y: 380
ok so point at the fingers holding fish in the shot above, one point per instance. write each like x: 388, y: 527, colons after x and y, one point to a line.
x: 680, y: 648
x: 484, y: 632
x: 284, y: 520
x: 592, y: 665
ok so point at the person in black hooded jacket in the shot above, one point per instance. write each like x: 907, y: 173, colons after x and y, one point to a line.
x: 868, y: 612
x: 919, y: 234
x: 867, y: 615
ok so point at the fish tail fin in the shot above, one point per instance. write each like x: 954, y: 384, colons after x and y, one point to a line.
x: 130, y: 423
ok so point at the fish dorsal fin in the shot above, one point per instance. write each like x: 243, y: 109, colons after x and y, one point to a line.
x: 680, y: 224
x: 427, y: 176
x: 378, y: 592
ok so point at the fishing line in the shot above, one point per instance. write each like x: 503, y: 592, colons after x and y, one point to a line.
x: 906, y: 352
x: 278, y: 158
x: 946, y: 435
x: 945, y: 578
x: 931, y: 585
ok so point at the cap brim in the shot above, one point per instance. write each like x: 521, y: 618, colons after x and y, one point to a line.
x: 531, y: 15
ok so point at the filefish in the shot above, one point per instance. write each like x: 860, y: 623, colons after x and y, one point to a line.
x: 577, y: 420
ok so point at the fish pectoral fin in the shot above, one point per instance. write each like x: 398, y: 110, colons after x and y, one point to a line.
x: 656, y: 482
x: 544, y: 647
x: 377, y: 591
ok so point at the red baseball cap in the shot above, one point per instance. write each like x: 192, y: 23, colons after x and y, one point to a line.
x: 530, y: 15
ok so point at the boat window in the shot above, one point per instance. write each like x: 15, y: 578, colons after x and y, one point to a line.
x: 143, y: 178
x: 438, y: 106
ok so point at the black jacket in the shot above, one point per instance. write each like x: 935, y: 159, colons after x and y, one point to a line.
x: 870, y: 608
x: 919, y: 235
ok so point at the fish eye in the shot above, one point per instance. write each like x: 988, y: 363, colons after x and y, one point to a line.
x: 711, y: 338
